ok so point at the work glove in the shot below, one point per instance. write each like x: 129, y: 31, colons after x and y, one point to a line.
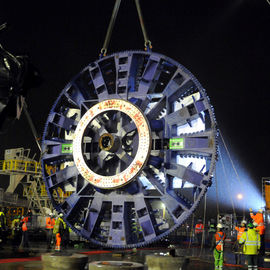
x: 250, y: 210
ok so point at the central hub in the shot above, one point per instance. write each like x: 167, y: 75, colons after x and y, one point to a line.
x: 112, y: 143
x: 108, y: 142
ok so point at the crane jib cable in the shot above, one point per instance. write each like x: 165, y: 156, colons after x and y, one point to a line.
x: 227, y: 182
x: 110, y: 28
x: 147, y: 42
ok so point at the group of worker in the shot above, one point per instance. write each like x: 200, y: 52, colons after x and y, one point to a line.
x: 250, y: 241
x: 19, y: 229
x: 57, y: 232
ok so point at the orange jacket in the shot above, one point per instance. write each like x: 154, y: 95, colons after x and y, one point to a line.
x: 24, y: 224
x: 50, y: 223
x: 240, y: 231
x: 220, y: 237
x: 258, y: 218
x: 199, y: 228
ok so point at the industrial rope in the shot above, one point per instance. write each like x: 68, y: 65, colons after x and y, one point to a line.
x: 204, y: 215
x: 147, y: 42
x: 226, y: 178
x: 217, y: 193
x: 237, y: 175
x: 103, y: 51
x: 226, y: 148
x: 191, y: 231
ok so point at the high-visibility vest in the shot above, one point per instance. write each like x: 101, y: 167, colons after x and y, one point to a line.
x: 199, y: 228
x: 4, y: 219
x: 58, y: 224
x: 252, y: 242
x: 50, y: 223
x: 258, y: 218
x: 24, y: 225
x: 220, y: 237
x: 15, y: 226
x: 240, y: 231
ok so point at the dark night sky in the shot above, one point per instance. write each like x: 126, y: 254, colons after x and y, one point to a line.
x: 224, y: 43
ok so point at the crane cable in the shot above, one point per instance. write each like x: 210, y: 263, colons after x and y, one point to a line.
x: 103, y: 51
x: 147, y: 42
x: 217, y: 199
x: 204, y: 216
x: 233, y: 166
x: 227, y: 181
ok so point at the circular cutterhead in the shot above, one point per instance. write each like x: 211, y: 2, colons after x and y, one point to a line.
x: 129, y: 149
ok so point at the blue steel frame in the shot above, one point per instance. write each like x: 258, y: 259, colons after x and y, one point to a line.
x: 130, y: 216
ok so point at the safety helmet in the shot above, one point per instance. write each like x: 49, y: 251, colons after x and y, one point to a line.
x: 250, y: 225
x: 61, y: 215
x: 260, y: 210
x: 255, y: 224
x: 243, y: 222
x: 219, y: 226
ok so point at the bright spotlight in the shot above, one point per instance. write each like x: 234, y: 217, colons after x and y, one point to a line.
x: 239, y: 196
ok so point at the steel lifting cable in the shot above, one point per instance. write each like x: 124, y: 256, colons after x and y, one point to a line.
x: 147, y: 42
x: 103, y: 51
x: 226, y: 178
x: 226, y: 148
x: 217, y: 193
x: 237, y: 175
x: 204, y: 216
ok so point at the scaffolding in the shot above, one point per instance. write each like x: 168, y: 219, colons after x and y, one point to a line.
x: 25, y: 170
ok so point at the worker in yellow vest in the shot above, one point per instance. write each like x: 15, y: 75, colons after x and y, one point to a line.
x: 50, y: 222
x: 16, y: 234
x: 251, y: 242
x: 259, y: 219
x: 58, y: 231
x: 2, y: 226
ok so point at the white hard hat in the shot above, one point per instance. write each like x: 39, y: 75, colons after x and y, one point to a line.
x: 243, y: 222
x: 61, y: 215
x: 260, y: 210
x: 219, y: 226
x: 255, y: 224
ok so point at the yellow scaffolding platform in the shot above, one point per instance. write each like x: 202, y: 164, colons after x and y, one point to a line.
x: 14, y: 166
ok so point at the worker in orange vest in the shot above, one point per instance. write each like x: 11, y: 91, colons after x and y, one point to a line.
x: 258, y: 218
x: 218, y: 247
x: 241, y: 229
x: 58, y: 230
x: 25, y: 239
x: 199, y: 227
x: 50, y: 222
x: 237, y: 247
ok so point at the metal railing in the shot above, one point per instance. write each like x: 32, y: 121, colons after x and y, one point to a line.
x: 20, y: 166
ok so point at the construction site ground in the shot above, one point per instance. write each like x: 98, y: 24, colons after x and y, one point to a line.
x: 197, y: 258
